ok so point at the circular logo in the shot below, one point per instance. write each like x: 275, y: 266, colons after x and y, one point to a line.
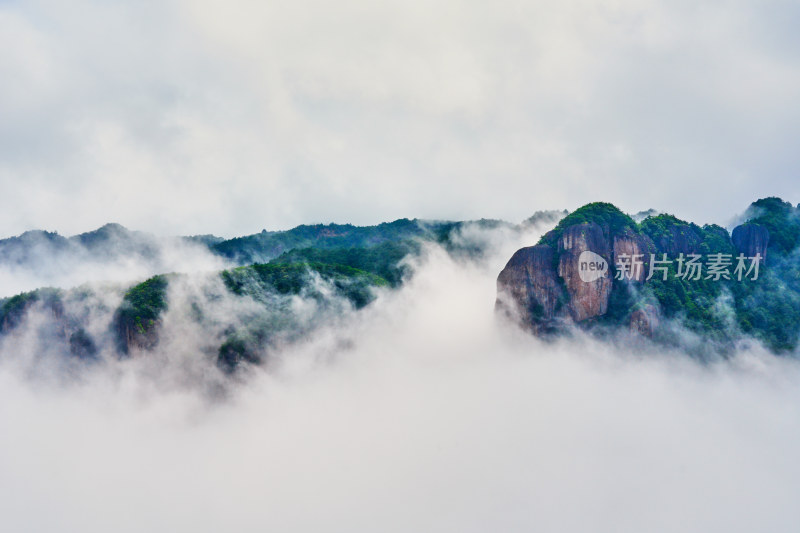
x: 591, y: 266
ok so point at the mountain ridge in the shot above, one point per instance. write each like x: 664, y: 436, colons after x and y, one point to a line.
x: 334, y: 268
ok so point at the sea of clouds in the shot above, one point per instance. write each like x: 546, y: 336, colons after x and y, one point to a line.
x: 422, y: 412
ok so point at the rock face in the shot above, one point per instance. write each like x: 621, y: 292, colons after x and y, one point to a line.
x: 751, y: 239
x: 630, y: 245
x: 133, y: 337
x: 532, y: 290
x: 528, y: 289
x: 587, y: 299
x: 645, y: 320
x: 568, y: 277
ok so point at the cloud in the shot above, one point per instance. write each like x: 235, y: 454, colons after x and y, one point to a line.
x: 195, y: 117
x: 422, y: 413
x: 126, y: 257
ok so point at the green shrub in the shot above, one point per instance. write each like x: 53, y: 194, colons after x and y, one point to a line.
x: 606, y: 215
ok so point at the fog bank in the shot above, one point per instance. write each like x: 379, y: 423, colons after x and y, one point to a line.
x: 423, y: 413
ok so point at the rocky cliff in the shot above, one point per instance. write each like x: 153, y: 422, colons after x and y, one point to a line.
x: 582, y: 251
x: 586, y: 299
x: 751, y: 239
x: 575, y: 275
x: 529, y: 290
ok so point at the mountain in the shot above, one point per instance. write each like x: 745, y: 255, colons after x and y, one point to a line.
x: 279, y: 287
x: 658, y: 278
x: 111, y: 243
x: 107, y: 242
x: 267, y: 245
x: 601, y: 271
x: 112, y: 253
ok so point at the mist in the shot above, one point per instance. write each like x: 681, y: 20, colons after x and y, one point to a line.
x: 122, y: 256
x: 421, y: 412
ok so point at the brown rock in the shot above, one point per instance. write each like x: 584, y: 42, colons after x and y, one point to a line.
x: 528, y: 289
x: 631, y: 245
x: 582, y: 237
x: 587, y: 299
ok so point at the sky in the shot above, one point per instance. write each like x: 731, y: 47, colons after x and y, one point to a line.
x: 201, y: 116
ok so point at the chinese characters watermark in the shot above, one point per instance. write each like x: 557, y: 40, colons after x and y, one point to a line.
x: 689, y: 267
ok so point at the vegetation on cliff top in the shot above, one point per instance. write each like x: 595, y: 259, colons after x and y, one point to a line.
x: 781, y: 219
x: 142, y: 306
x: 606, y: 215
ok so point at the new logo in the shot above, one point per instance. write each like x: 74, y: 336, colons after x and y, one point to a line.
x: 591, y: 266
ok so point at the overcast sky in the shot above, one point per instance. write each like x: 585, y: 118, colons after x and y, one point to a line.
x: 229, y: 117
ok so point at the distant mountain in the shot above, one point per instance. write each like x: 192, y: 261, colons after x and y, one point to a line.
x: 107, y: 242
x: 113, y: 241
x: 267, y: 245
x: 111, y: 253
